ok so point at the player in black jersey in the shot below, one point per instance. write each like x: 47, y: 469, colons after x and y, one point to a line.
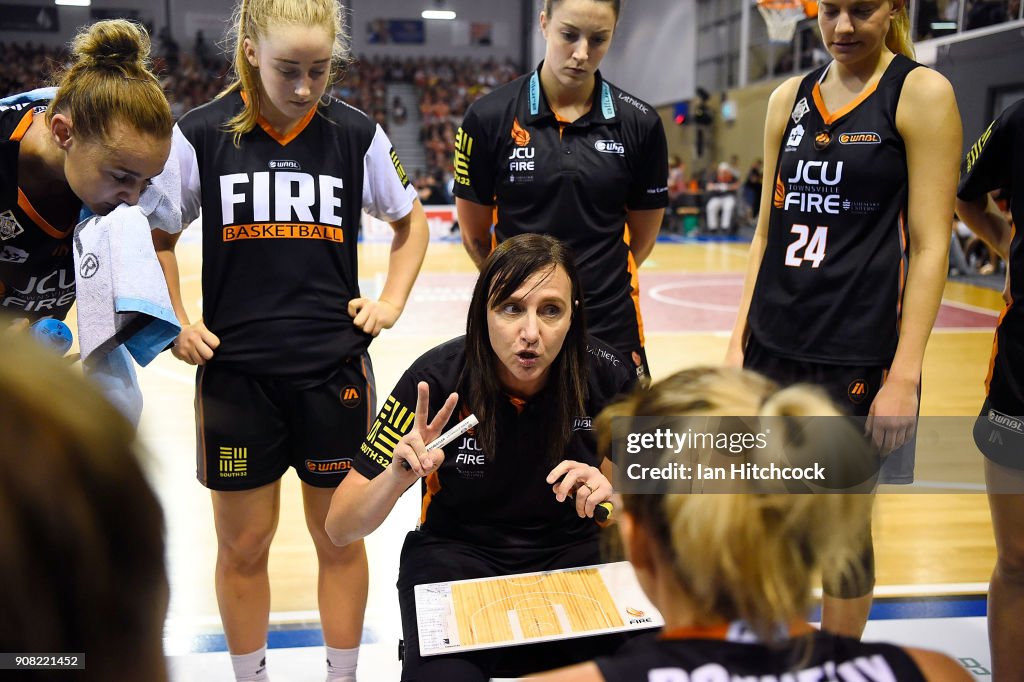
x: 89, y: 145
x: 732, y: 574
x: 281, y: 173
x: 996, y: 161
x: 564, y: 152
x: 849, y: 258
x: 528, y: 371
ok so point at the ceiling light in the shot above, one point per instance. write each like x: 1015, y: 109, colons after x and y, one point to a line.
x: 73, y: 3
x: 445, y: 14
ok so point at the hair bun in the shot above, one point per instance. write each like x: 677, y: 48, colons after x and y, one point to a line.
x: 112, y: 43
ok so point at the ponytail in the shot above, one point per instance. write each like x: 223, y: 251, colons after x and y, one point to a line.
x: 898, y: 39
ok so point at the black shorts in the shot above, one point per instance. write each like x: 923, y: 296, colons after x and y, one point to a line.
x: 250, y: 429
x: 427, y: 558
x: 999, y: 429
x: 852, y: 388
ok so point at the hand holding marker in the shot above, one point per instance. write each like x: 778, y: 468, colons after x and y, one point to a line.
x: 603, y: 510
x: 448, y: 436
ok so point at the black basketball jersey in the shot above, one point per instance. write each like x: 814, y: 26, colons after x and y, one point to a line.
x: 996, y: 161
x: 731, y: 656
x: 501, y: 500
x: 830, y: 286
x: 280, y: 224
x: 37, y: 269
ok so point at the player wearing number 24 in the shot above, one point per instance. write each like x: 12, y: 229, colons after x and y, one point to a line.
x: 495, y: 500
x: 850, y: 254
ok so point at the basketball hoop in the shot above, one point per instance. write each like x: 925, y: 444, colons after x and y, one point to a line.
x: 781, y: 18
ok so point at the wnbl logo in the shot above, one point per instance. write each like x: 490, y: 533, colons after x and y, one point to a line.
x: 582, y: 424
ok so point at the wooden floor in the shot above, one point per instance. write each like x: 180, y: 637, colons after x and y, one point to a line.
x: 926, y: 543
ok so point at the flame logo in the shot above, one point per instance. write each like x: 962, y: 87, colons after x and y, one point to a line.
x: 520, y: 135
x: 636, y: 613
x: 780, y: 192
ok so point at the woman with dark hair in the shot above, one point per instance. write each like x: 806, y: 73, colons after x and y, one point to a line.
x: 493, y: 500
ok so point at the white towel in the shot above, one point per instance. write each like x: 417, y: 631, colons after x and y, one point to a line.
x: 161, y: 201
x: 121, y: 290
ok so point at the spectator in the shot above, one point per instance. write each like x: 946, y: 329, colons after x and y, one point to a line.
x: 721, y: 191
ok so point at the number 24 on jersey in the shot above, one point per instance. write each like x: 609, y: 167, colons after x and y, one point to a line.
x: 807, y: 247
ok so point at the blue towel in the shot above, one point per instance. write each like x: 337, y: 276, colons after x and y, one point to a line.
x: 121, y: 290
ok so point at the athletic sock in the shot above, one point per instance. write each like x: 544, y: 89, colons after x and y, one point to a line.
x: 341, y: 664
x: 251, y: 667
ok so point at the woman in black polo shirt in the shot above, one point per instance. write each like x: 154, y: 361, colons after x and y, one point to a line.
x: 533, y: 378
x: 564, y: 152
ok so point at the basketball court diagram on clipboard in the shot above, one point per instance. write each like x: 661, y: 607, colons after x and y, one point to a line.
x: 529, y: 608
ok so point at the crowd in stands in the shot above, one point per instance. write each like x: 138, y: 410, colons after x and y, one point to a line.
x: 445, y: 87
x: 28, y: 66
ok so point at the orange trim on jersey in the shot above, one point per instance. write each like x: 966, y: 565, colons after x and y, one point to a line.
x: 634, y: 282
x: 494, y: 222
x: 995, y: 351
x: 23, y: 126
x: 562, y: 123
x: 23, y: 202
x: 201, y: 428
x: 285, y: 139
x: 901, y: 285
x: 41, y: 223
x: 1013, y: 235
x: 828, y: 118
x: 517, y: 403
x: 433, y: 487
x: 722, y: 630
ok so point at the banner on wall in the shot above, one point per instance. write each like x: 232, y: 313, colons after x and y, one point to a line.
x: 440, y: 220
x: 396, y: 31
x: 29, y: 18
x: 481, y: 33
x: 102, y: 13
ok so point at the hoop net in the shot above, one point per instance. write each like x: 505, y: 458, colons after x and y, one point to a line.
x: 781, y: 17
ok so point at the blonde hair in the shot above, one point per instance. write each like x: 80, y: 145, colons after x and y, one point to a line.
x: 253, y: 19
x: 898, y: 39
x: 81, y: 530
x: 110, y: 81
x: 749, y: 556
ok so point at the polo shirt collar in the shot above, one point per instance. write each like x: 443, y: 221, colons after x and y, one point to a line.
x: 533, y: 104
